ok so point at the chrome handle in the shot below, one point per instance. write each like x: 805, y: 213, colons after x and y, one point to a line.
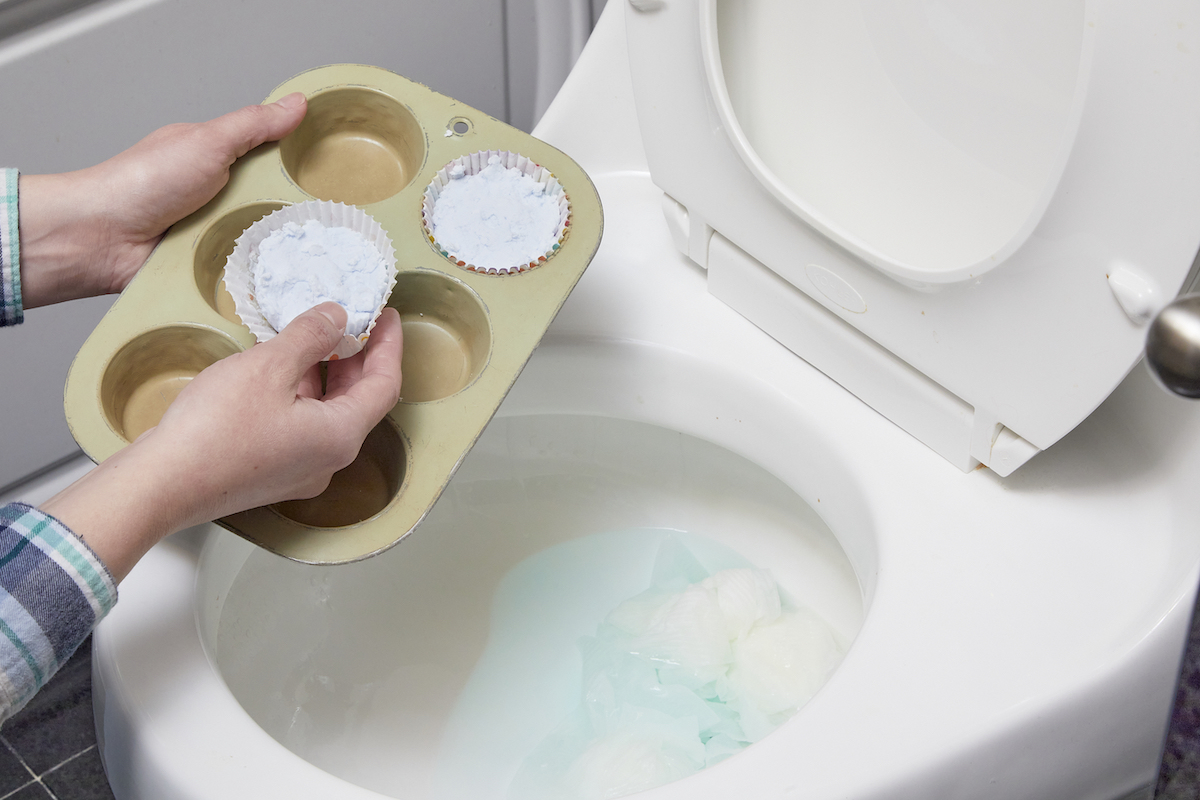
x: 1173, y: 346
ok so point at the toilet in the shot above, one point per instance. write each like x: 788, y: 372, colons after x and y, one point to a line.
x: 883, y: 342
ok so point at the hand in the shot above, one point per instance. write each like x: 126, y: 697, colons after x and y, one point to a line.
x: 88, y: 232
x: 254, y: 428
x: 250, y: 430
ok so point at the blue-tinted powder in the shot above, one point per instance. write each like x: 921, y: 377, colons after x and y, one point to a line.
x: 301, y: 266
x: 495, y: 219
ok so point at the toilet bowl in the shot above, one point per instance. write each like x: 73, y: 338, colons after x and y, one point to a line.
x: 1005, y: 637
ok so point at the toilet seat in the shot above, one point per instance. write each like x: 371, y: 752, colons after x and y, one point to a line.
x: 1021, y: 637
x: 987, y: 361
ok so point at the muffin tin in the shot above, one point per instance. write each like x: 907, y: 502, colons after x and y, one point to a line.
x: 377, y: 140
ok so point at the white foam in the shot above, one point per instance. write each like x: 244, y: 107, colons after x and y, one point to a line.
x: 675, y: 679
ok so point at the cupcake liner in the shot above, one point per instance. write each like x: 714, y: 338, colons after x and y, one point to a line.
x: 239, y: 280
x: 473, y: 164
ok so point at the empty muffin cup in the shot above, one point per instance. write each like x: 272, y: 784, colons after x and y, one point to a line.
x: 361, y: 490
x: 302, y: 236
x: 447, y: 336
x: 144, y: 377
x: 356, y: 145
x: 495, y: 212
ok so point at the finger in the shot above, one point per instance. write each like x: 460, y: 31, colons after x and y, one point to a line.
x: 343, y: 374
x: 377, y: 389
x: 307, y: 340
x: 241, y: 131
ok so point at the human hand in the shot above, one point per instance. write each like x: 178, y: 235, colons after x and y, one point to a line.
x: 255, y: 429
x: 250, y: 430
x: 88, y: 232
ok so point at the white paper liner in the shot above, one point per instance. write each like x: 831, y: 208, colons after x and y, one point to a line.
x: 472, y: 164
x: 240, y: 282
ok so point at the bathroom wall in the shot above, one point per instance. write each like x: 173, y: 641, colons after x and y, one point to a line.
x: 93, y: 80
x: 21, y: 15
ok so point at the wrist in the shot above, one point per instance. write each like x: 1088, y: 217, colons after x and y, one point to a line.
x: 62, y: 239
x: 124, y: 506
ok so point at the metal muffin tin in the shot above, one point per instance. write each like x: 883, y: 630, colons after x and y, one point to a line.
x: 374, y: 139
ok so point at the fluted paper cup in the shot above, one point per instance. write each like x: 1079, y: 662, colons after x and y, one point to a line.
x: 240, y: 266
x: 473, y: 164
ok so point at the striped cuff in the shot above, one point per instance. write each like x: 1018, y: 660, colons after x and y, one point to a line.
x: 10, y: 252
x: 53, y: 591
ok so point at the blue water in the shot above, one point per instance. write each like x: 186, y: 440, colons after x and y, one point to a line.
x: 528, y: 680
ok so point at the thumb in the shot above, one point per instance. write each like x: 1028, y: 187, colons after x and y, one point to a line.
x: 307, y: 339
x: 243, y: 130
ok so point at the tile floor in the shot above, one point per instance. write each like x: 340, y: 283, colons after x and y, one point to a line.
x: 48, y: 750
x: 1180, y: 775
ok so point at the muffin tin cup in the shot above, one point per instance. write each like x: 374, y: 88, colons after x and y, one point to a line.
x: 473, y: 164
x: 377, y: 140
x: 239, y: 268
x: 146, y: 374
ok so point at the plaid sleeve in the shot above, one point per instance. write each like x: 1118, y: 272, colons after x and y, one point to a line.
x: 53, y: 591
x: 10, y: 252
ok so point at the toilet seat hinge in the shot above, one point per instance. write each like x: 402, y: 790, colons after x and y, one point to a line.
x: 699, y: 235
x: 985, y: 427
x: 997, y: 447
x: 690, y: 234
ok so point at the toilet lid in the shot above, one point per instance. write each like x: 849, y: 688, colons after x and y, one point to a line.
x: 999, y: 197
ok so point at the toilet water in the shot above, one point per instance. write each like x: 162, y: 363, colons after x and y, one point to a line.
x: 465, y: 661
x: 705, y: 661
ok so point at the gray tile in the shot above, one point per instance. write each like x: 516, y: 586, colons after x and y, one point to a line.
x: 1179, y: 778
x: 34, y: 791
x: 13, y: 774
x: 81, y: 778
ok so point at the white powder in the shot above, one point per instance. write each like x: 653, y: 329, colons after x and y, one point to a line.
x: 496, y: 218
x: 298, y: 267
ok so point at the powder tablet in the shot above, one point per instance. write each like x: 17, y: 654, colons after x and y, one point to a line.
x: 496, y: 218
x: 301, y: 266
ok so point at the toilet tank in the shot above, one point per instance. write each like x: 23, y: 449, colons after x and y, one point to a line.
x: 965, y: 213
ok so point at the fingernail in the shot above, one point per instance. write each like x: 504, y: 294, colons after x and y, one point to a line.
x: 292, y: 101
x: 340, y: 324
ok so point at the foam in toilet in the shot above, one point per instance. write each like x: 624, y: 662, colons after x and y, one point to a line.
x: 591, y: 688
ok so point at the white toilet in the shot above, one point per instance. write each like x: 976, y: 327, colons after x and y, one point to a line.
x: 961, y: 219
